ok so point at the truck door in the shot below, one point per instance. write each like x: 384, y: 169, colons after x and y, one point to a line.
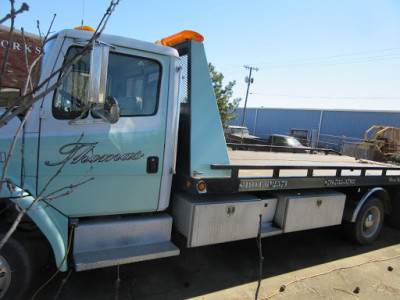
x: 126, y: 158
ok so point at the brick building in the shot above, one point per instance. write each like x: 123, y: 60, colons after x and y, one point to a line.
x: 16, y: 71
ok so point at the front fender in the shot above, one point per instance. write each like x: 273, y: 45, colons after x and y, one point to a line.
x: 53, y: 224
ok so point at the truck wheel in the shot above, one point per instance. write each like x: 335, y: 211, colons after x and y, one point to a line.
x: 15, y: 270
x: 368, y: 223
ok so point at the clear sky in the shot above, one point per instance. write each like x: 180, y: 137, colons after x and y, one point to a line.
x: 342, y: 54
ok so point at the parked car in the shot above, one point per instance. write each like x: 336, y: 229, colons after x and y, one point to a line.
x: 240, y: 135
x: 285, y: 143
x: 239, y: 138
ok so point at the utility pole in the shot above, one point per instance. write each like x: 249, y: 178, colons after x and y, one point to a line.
x: 249, y: 80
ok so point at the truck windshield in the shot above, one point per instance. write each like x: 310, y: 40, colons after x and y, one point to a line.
x: 293, y: 142
x: 133, y: 81
x: 47, y: 50
x: 240, y: 131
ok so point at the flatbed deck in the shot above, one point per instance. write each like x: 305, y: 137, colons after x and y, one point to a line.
x: 259, y: 171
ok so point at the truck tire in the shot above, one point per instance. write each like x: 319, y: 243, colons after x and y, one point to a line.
x: 394, y: 218
x: 368, y: 223
x: 15, y: 270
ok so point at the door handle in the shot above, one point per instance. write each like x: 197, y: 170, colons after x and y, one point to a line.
x: 152, y: 164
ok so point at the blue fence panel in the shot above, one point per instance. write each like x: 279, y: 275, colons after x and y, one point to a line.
x: 264, y: 121
x: 355, y: 123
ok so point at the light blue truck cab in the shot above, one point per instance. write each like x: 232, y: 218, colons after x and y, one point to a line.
x: 108, y: 184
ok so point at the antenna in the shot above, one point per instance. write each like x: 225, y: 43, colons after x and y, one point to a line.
x: 83, y: 12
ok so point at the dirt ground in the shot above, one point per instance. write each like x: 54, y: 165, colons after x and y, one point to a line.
x: 231, y: 271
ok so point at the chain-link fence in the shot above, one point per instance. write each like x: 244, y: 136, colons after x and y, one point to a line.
x: 350, y: 146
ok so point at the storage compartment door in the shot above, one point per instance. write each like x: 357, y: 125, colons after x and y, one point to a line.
x: 307, y: 210
x: 212, y: 219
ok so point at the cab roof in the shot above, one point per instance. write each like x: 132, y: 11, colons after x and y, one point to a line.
x: 120, y: 41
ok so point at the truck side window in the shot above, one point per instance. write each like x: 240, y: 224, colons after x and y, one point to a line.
x: 135, y: 84
x: 133, y: 81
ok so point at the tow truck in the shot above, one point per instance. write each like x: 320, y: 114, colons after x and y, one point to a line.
x: 141, y: 119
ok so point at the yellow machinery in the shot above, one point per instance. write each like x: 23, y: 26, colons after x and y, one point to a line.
x: 386, y: 138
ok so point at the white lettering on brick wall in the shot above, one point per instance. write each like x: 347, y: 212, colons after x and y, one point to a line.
x: 18, y: 47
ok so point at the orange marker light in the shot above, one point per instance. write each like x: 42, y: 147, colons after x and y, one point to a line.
x: 87, y: 28
x: 201, y: 187
x: 180, y: 37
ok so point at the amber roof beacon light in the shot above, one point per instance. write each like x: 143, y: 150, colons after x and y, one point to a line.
x: 87, y: 28
x: 180, y: 37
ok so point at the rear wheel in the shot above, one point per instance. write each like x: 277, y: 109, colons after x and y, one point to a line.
x: 15, y: 269
x: 368, y: 223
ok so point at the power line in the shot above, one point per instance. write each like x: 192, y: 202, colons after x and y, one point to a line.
x: 330, y: 60
x: 338, y: 62
x: 329, y: 57
x: 327, y: 97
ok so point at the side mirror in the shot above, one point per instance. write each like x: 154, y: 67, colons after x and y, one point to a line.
x: 111, y: 110
x: 98, y: 74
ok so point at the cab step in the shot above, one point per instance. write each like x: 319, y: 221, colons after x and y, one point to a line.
x: 115, y: 241
x: 268, y: 229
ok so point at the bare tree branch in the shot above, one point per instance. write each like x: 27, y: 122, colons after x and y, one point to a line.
x: 10, y: 153
x: 12, y: 112
x: 43, y: 41
x: 28, y: 83
x: 28, y: 80
x: 48, y: 31
x: 14, y: 13
x: 72, y: 186
x: 3, y: 69
x: 21, y: 213
x: 40, y: 33
x: 57, y: 173
x: 37, y: 200
x: 106, y: 17
x: 70, y: 189
x: 8, y: 115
